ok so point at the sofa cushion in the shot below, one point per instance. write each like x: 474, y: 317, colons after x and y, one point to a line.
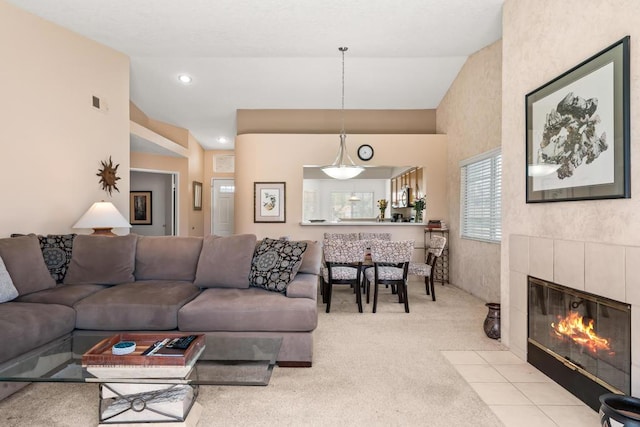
x: 251, y: 310
x: 167, y: 257
x: 102, y: 260
x: 312, y: 258
x: 57, y: 251
x: 225, y: 262
x: 145, y: 305
x: 23, y: 258
x: 275, y: 263
x: 27, y: 326
x: 62, y: 294
x: 7, y: 290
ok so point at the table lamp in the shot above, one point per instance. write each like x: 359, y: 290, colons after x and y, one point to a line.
x: 102, y: 217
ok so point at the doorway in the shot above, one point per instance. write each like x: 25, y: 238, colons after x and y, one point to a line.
x: 163, y: 188
x: 222, y: 206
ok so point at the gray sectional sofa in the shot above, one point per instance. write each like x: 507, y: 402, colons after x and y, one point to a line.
x: 228, y: 286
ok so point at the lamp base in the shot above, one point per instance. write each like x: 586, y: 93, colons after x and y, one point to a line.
x: 105, y: 231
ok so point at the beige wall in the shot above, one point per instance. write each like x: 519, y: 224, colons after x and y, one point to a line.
x: 541, y: 40
x: 280, y: 157
x: 196, y: 173
x: 329, y: 121
x: 470, y: 115
x: 52, y: 140
x: 190, y: 221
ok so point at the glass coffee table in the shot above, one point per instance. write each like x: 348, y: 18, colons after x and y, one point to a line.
x: 232, y: 361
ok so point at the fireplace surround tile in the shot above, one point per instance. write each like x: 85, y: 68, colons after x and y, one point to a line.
x: 500, y: 394
x: 522, y: 373
x: 571, y: 415
x: 519, y: 254
x: 518, y: 291
x: 605, y: 271
x: 548, y: 394
x: 568, y: 263
x: 522, y: 416
x: 632, y: 273
x: 518, y: 342
x: 541, y: 258
x: 608, y: 266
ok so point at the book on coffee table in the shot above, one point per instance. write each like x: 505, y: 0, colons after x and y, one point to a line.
x: 102, y: 363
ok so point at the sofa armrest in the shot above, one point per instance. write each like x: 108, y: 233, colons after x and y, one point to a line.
x: 304, y: 285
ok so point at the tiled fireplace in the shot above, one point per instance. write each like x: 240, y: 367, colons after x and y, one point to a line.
x: 580, y: 340
x: 601, y: 282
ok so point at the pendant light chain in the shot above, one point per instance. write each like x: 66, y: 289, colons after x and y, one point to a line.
x: 343, y: 167
x: 343, y: 50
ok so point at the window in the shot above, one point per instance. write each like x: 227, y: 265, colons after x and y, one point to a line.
x: 481, y: 185
x: 357, y: 204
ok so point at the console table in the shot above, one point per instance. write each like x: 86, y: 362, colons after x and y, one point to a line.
x: 441, y: 271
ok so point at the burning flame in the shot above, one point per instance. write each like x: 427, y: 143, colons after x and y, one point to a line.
x: 574, y: 328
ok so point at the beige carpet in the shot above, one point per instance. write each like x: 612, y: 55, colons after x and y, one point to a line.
x: 382, y: 369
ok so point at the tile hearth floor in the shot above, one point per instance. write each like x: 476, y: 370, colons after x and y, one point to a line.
x: 518, y: 393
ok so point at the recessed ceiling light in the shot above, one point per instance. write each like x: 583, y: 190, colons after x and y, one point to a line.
x: 185, y: 78
x: 222, y: 140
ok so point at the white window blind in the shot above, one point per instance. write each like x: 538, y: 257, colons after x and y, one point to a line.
x: 481, y: 186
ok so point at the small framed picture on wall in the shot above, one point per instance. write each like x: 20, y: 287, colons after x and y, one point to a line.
x: 140, y: 207
x: 269, y: 202
x: 197, y: 196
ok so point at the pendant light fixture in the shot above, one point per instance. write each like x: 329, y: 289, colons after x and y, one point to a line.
x: 343, y: 166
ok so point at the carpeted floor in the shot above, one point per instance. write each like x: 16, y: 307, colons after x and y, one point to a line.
x: 382, y: 369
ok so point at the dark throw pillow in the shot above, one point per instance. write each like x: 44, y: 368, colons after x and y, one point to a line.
x: 275, y: 264
x: 56, y: 250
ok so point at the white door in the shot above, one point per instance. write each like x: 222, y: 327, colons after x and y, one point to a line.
x: 222, y: 206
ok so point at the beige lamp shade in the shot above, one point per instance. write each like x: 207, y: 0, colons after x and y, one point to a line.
x: 102, y: 217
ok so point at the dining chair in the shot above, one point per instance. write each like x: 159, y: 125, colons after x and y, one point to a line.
x: 341, y: 236
x: 425, y: 269
x: 374, y: 236
x: 343, y: 266
x: 368, y: 237
x: 390, y: 267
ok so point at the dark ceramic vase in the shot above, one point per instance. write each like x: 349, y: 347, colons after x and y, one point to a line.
x: 492, y: 321
x: 616, y: 410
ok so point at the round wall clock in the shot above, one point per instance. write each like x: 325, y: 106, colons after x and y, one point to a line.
x: 365, y: 152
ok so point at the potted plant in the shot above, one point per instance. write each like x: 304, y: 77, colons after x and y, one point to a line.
x: 382, y: 205
x: 419, y: 204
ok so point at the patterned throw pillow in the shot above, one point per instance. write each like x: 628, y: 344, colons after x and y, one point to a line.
x: 275, y: 264
x: 7, y: 290
x: 56, y: 250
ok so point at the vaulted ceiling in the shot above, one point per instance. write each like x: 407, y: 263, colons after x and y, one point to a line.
x: 260, y: 54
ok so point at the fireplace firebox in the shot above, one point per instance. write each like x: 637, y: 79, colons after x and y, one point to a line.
x: 582, y: 341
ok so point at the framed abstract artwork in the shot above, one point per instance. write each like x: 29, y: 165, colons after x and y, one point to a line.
x: 269, y: 202
x: 577, y: 131
x: 140, y: 207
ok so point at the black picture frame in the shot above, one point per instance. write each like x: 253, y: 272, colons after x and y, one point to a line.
x: 269, y: 202
x: 197, y: 196
x: 578, y: 131
x: 140, y: 208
